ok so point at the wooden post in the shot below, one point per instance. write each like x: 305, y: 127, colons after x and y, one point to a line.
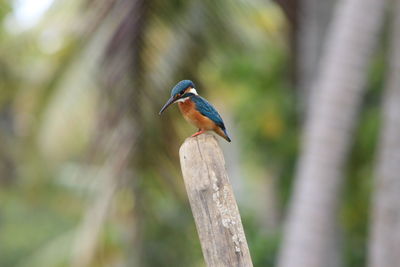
x: 213, y: 203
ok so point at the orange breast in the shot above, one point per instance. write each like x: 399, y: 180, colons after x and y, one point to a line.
x: 190, y: 113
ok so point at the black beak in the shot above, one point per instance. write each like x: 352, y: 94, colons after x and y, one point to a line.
x: 169, y: 102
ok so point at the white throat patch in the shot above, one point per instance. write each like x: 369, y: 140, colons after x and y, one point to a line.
x: 193, y: 91
x: 182, y: 99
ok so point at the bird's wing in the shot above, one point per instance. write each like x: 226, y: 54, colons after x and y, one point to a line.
x: 206, y: 109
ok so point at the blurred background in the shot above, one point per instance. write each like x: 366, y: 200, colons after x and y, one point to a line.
x: 308, y: 89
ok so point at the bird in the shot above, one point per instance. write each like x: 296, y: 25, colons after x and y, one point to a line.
x: 196, y: 109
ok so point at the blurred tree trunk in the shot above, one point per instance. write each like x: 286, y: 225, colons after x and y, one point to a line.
x: 384, y: 247
x: 309, y: 237
x: 291, y: 10
x: 308, y: 20
x: 314, y: 18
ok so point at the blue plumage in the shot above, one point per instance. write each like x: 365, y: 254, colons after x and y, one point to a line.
x: 181, y: 86
x: 206, y: 109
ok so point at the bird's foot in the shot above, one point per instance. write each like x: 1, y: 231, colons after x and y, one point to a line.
x: 199, y: 132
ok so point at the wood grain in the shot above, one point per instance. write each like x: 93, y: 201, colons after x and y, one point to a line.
x: 213, y: 204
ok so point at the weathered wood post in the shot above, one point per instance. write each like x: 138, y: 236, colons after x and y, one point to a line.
x: 213, y: 203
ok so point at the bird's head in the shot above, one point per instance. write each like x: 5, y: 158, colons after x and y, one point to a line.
x: 180, y: 92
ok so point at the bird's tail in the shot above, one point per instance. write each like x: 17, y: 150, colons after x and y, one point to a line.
x: 222, y: 132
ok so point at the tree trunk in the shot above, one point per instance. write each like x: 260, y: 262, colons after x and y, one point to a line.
x: 309, y: 238
x: 308, y: 20
x: 313, y: 20
x: 384, y: 248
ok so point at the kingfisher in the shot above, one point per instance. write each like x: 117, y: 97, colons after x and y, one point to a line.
x: 196, y: 110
